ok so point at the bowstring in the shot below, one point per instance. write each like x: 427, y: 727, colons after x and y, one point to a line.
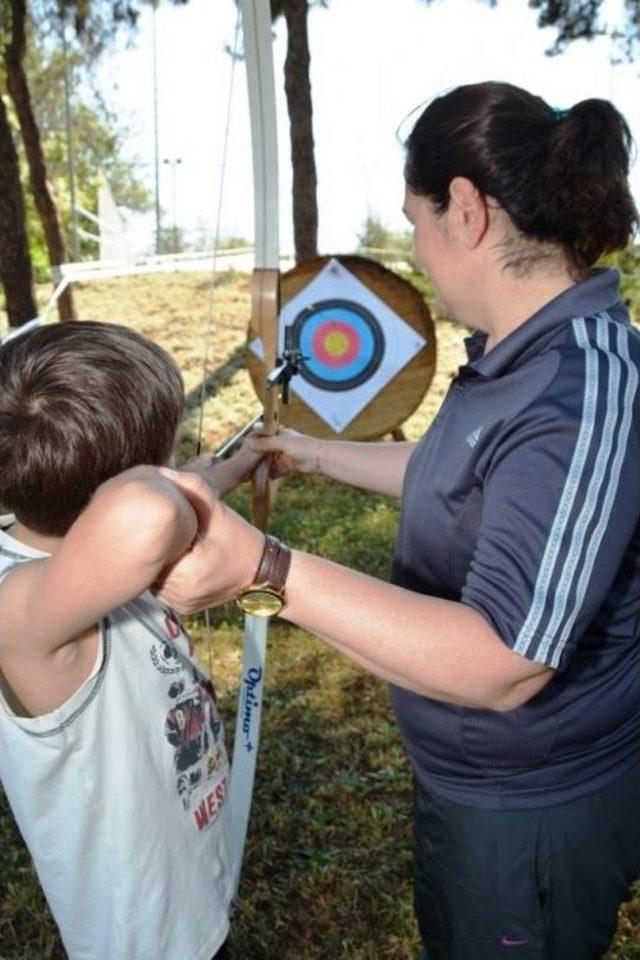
x: 212, y: 293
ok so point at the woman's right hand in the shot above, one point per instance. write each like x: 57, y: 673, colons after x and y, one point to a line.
x: 292, y: 452
x: 378, y: 466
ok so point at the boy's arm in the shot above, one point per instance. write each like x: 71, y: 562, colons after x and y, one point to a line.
x: 223, y: 476
x: 134, y: 525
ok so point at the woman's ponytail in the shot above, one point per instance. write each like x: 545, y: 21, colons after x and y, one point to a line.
x: 584, y: 193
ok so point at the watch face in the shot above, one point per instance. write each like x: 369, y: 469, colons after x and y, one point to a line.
x: 260, y: 602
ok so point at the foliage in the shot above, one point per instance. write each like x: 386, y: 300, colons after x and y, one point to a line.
x: 395, y: 250
x: 171, y: 239
x: 233, y: 242
x: 97, y: 22
x: 98, y: 142
x: 628, y: 263
x: 278, y: 6
x: 580, y: 20
x: 99, y: 135
x: 327, y: 872
x: 375, y: 238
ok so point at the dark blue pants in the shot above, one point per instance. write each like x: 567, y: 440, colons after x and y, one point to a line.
x: 541, y: 884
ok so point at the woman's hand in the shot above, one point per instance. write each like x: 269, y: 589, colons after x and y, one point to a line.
x: 378, y: 467
x: 292, y: 452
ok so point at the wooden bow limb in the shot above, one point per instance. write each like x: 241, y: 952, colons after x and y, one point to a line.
x: 265, y: 311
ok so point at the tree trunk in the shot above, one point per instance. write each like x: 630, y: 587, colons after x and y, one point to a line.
x: 15, y: 265
x: 21, y: 97
x: 297, y: 85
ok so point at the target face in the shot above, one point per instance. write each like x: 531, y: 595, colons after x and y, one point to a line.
x: 342, y: 342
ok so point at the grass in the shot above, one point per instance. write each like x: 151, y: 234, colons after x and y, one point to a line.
x: 327, y: 872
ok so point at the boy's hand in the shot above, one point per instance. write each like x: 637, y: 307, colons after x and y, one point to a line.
x: 223, y: 476
x: 223, y: 558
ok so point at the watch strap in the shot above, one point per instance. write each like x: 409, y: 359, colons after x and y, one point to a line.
x: 274, y: 564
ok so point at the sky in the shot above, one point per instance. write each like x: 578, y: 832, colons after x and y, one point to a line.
x: 372, y: 63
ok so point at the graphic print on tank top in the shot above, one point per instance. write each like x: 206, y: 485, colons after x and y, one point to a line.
x: 192, y: 725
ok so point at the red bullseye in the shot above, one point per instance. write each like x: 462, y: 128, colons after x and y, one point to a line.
x: 336, y: 343
x: 341, y: 342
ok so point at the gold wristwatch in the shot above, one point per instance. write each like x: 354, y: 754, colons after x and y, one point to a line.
x: 265, y: 596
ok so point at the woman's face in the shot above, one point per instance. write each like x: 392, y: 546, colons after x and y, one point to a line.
x: 433, y: 245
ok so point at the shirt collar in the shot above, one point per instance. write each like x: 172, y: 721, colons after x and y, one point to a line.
x: 11, y: 547
x: 598, y: 292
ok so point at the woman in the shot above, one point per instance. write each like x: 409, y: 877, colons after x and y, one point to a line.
x: 510, y: 631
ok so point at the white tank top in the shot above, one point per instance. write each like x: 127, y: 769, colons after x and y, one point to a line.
x: 120, y: 794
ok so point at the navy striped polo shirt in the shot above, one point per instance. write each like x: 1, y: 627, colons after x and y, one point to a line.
x: 522, y: 500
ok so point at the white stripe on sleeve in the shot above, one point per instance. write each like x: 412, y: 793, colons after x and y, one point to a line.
x: 571, y: 487
x: 611, y: 490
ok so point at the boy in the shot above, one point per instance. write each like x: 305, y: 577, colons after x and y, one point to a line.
x: 111, y: 747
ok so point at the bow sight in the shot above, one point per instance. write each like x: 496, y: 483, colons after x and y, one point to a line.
x: 287, y: 366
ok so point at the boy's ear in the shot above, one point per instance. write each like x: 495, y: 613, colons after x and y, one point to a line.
x: 469, y: 209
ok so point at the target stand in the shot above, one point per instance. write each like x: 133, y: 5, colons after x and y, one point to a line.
x: 369, y: 346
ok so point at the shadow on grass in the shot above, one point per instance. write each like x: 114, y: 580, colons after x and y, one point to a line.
x: 229, y: 277
x: 216, y: 380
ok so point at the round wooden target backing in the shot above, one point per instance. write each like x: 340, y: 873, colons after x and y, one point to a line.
x: 395, y: 402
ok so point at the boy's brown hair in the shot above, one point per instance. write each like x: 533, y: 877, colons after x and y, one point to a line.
x: 79, y: 403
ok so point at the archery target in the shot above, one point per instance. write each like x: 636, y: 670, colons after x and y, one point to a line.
x: 342, y: 343
x: 354, y: 342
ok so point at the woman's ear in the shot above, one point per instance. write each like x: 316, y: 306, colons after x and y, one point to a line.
x: 469, y: 213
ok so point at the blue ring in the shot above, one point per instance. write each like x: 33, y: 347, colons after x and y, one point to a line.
x: 354, y: 374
